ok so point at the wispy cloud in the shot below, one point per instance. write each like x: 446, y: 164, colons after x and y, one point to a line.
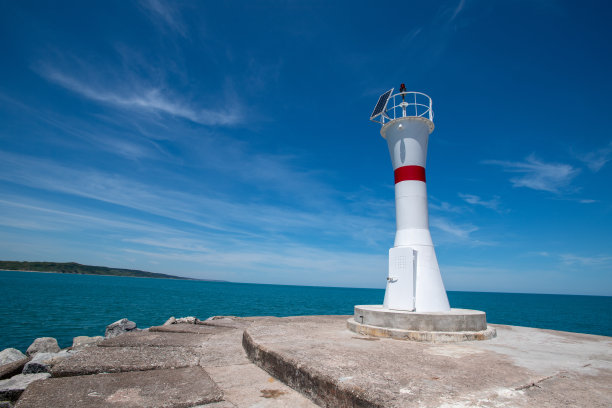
x: 457, y: 10
x: 571, y: 259
x: 215, y: 212
x: 597, y: 159
x: 409, y: 38
x: 429, y: 41
x: 25, y: 213
x: 266, y: 263
x: 125, y: 142
x: 492, y: 204
x: 165, y: 12
x: 444, y: 206
x: 139, y: 97
x: 258, y: 240
x: 538, y: 253
x: 538, y: 175
x: 590, y: 261
x: 455, y: 230
x: 200, y: 255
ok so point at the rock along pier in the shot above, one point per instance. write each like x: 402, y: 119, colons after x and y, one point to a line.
x: 312, y: 361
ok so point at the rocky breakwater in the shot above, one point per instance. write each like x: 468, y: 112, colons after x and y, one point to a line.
x: 185, y: 362
x: 18, y: 370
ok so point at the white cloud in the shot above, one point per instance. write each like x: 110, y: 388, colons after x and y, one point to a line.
x: 457, y: 231
x: 590, y: 261
x: 265, y: 262
x: 165, y: 12
x: 492, y: 204
x: 443, y: 206
x: 538, y: 175
x: 199, y: 253
x: 203, y: 209
x: 135, y: 95
x: 25, y: 213
x: 457, y: 10
x: 597, y: 159
x: 491, y: 277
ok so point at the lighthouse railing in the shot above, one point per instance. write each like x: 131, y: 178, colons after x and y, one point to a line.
x: 407, y: 104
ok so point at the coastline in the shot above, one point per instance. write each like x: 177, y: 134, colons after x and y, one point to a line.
x: 116, y: 276
x: 82, y: 269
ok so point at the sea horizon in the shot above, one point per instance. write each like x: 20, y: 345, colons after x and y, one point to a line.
x: 287, y: 284
x: 65, y: 305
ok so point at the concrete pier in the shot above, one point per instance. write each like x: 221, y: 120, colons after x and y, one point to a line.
x: 309, y: 361
x: 521, y: 367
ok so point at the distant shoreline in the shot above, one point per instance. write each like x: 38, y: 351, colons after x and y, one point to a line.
x: 73, y: 268
x: 115, y: 276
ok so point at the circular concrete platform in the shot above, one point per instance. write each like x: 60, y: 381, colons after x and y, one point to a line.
x: 444, y: 327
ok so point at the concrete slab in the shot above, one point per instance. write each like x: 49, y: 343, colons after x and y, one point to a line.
x: 94, y: 360
x: 520, y: 368
x: 183, y: 387
x: 188, y: 328
x: 155, y: 339
x: 224, y: 348
x: 227, y: 321
x: 550, y: 350
x: 247, y: 385
x: 220, y: 404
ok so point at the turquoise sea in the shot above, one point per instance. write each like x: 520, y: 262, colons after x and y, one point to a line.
x: 64, y: 306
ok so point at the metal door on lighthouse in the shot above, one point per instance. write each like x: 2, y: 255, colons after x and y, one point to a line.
x: 402, y: 275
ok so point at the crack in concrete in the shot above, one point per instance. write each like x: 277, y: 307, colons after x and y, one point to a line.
x: 536, y: 382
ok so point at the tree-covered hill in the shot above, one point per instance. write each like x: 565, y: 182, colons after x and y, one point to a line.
x: 73, y: 267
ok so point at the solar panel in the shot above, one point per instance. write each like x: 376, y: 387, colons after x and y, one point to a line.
x: 382, y: 103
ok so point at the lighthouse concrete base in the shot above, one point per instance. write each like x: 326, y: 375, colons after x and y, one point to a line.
x: 436, y: 327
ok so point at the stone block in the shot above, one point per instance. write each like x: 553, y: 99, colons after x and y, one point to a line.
x: 10, y: 369
x: 42, y: 362
x: 9, y: 355
x: 119, y: 327
x: 94, y: 360
x: 43, y: 345
x: 187, y: 328
x: 85, y: 341
x: 182, y: 387
x: 12, y: 388
x: 221, y: 321
x: 154, y: 339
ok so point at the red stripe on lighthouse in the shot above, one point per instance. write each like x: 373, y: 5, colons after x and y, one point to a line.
x: 409, y: 173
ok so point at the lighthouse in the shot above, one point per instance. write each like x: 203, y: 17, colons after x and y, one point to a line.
x: 414, y: 282
x: 415, y: 306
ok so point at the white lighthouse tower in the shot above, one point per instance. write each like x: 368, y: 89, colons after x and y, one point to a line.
x: 414, y: 282
x: 415, y: 306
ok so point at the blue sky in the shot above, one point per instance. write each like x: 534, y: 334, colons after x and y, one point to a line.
x: 230, y: 140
